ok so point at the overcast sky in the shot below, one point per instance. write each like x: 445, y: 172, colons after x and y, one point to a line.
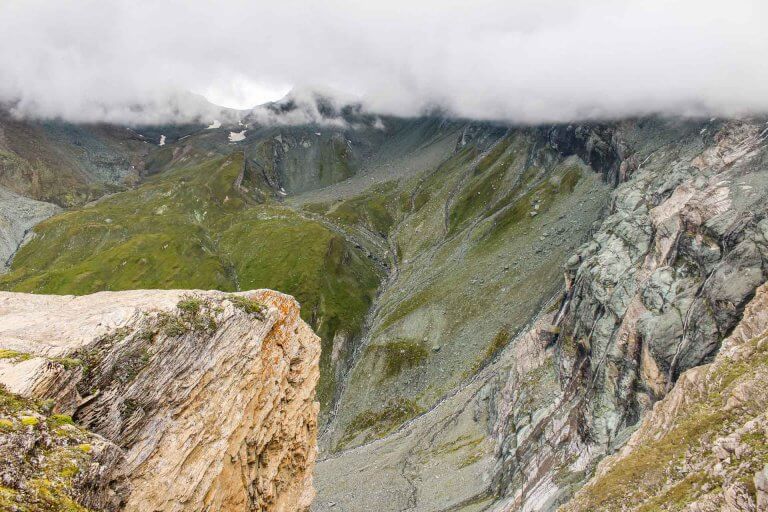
x: 518, y: 60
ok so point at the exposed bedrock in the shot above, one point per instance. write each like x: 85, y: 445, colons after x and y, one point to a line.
x: 205, y: 400
x: 654, y: 292
x: 662, y: 280
x: 704, y: 446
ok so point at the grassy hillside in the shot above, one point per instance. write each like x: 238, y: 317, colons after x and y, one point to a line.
x: 192, y: 227
x: 472, y: 226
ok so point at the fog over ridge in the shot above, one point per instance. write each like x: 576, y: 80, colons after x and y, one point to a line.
x: 524, y: 62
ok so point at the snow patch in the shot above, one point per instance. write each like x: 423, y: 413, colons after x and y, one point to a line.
x: 162, y: 140
x: 237, y: 136
x: 215, y: 124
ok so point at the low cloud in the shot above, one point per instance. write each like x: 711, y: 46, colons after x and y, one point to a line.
x: 525, y: 62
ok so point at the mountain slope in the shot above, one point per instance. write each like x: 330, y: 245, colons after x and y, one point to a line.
x: 459, y: 371
x: 67, y: 164
x: 654, y: 291
x: 194, y: 228
x: 477, y: 246
x: 704, y: 445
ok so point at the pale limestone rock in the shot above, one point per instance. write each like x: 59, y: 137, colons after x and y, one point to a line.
x: 737, y: 499
x: 761, y: 487
x: 215, y: 412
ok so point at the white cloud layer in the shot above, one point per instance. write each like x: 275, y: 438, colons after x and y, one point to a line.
x: 524, y: 61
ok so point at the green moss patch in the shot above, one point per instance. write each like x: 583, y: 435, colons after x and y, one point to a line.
x: 249, y: 306
x: 29, y: 421
x: 379, y: 422
x: 14, y: 355
x: 399, y: 355
x: 57, y: 420
x: 68, y: 363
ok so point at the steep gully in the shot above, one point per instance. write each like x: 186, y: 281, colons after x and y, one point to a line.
x: 593, y: 144
x: 683, y: 190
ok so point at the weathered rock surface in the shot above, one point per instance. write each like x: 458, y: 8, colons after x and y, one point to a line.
x: 662, y: 281
x: 705, y: 445
x: 208, y: 396
x: 18, y: 215
x: 49, y: 464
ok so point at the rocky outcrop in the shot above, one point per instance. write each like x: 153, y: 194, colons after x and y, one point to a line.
x: 50, y: 464
x: 207, y: 397
x: 595, y: 145
x: 662, y: 280
x: 17, y: 217
x: 704, y: 446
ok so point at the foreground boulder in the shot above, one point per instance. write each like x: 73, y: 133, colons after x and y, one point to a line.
x: 157, y: 400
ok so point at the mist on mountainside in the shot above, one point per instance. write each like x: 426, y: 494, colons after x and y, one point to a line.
x: 431, y: 256
x: 524, y: 62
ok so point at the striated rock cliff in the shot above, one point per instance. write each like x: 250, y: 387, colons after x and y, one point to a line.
x: 204, y: 400
x: 704, y: 446
x: 653, y: 293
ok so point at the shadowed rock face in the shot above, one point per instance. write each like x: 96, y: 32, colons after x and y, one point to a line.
x: 208, y: 397
x: 18, y: 215
x: 718, y: 411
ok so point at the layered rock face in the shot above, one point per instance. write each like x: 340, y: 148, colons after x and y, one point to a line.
x: 705, y: 445
x: 654, y: 292
x: 207, y: 398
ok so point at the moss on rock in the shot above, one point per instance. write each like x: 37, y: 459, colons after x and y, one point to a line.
x: 400, y: 354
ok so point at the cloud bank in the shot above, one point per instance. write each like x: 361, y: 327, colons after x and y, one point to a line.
x: 524, y: 61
